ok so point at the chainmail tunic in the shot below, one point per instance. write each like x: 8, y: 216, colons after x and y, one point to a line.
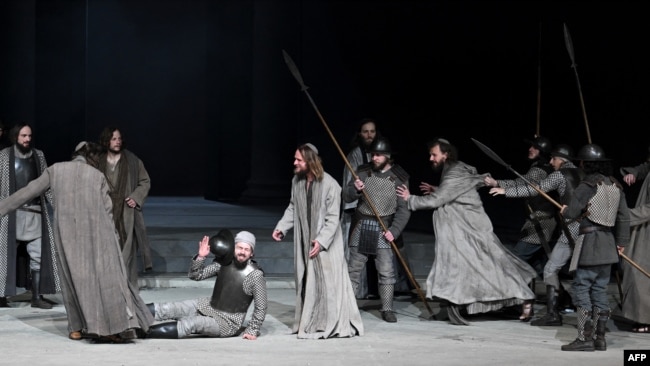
x: 380, y: 188
x: 603, y: 206
x: 553, y: 182
x: 545, y: 218
x: 230, y: 323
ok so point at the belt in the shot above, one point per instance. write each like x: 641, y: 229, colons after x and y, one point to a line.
x: 591, y: 229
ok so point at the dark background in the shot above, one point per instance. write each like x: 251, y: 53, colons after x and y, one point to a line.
x: 204, y: 98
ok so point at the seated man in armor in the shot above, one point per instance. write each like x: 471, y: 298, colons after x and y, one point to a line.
x: 239, y: 282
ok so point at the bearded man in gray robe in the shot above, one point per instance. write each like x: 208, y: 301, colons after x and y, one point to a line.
x: 325, y: 302
x: 471, y: 268
x: 129, y: 187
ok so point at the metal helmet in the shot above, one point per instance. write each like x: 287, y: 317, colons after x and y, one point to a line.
x: 540, y: 143
x: 562, y: 151
x: 591, y: 152
x: 222, y: 246
x: 380, y: 146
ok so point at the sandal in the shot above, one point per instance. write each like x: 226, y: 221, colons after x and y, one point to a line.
x: 641, y: 328
x: 527, y: 312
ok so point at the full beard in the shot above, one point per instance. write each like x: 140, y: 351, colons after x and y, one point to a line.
x: 301, y: 174
x: 238, y: 262
x: 380, y: 167
x: 24, y: 149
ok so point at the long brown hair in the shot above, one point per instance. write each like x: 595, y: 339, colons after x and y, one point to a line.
x: 313, y: 160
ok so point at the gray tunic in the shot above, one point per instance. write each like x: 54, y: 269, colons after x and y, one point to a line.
x: 96, y: 293
x: 325, y: 302
x: 636, y: 285
x: 471, y: 267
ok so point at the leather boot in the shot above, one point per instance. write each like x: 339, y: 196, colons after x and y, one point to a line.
x: 167, y: 330
x: 552, y: 317
x: 601, y: 317
x: 3, y: 302
x: 37, y: 300
x: 585, y: 341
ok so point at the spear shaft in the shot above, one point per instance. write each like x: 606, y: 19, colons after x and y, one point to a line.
x: 539, y: 81
x: 569, y: 46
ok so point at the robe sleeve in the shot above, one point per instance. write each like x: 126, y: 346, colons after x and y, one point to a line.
x: 34, y: 189
x: 141, y: 191
x: 286, y: 222
x: 330, y: 212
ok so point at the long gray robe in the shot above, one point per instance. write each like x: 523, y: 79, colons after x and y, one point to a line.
x: 9, y: 270
x: 329, y: 308
x: 471, y: 267
x: 96, y: 293
x: 137, y: 187
x: 636, y: 285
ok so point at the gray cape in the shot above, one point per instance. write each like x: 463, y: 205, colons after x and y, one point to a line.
x: 471, y: 267
x: 96, y: 292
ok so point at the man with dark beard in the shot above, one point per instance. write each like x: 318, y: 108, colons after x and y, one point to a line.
x: 130, y: 184
x: 379, y: 180
x: 239, y: 282
x: 29, y: 227
x: 325, y: 303
x: 357, y: 157
x: 471, y: 268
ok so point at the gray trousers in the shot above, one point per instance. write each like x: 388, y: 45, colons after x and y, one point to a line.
x: 28, y: 230
x: 589, y: 288
x: 559, y: 257
x: 190, y: 321
x: 383, y: 262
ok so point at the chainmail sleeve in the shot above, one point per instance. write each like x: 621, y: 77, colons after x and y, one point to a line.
x: 255, y: 284
x: 534, y: 174
x: 199, y: 271
x: 554, y: 181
